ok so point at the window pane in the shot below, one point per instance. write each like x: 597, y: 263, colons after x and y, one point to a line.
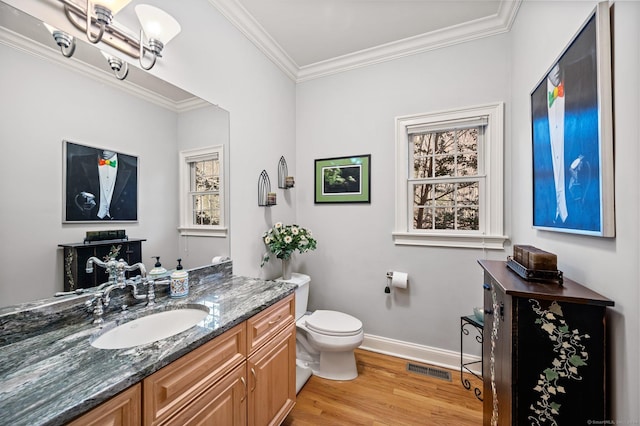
x: 422, y: 218
x: 468, y: 219
x: 205, y: 175
x: 467, y: 165
x: 422, y: 155
x: 468, y: 194
x: 445, y: 143
x: 468, y: 140
x: 445, y: 166
x: 422, y: 195
x: 444, y: 218
x: 206, y: 209
x: 444, y: 194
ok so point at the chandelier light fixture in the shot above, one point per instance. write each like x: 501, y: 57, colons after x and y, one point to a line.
x: 96, y: 21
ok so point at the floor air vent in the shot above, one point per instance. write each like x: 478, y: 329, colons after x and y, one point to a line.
x: 429, y: 371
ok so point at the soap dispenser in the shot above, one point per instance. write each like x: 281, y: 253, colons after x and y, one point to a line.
x: 179, y: 282
x: 157, y: 270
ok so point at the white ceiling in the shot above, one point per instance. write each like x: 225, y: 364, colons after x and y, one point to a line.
x: 312, y: 38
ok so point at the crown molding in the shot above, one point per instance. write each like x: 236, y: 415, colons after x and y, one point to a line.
x: 238, y: 15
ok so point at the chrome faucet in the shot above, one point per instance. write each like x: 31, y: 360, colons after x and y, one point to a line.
x: 117, y: 280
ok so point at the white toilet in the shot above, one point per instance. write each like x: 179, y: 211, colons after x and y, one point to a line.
x: 325, y: 339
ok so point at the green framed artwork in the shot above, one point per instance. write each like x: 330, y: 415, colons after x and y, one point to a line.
x: 343, y: 179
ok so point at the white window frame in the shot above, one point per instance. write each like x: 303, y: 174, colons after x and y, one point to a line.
x: 186, y: 226
x: 490, y: 169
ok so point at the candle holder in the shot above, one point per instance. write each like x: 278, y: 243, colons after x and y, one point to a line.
x: 266, y: 198
x: 284, y: 180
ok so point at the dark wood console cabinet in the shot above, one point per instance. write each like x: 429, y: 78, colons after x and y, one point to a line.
x: 75, y: 258
x: 544, y: 351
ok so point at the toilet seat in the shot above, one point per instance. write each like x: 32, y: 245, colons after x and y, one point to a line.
x: 333, y: 323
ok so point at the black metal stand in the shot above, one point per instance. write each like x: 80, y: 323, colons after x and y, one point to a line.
x: 467, y: 323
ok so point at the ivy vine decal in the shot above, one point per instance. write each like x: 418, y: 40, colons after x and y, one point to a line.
x: 570, y: 355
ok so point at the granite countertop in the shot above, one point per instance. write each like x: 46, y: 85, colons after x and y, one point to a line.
x: 52, y: 376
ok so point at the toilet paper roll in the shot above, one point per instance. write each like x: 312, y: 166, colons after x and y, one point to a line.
x: 219, y: 259
x: 399, y: 279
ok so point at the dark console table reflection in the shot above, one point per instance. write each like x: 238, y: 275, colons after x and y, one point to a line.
x: 469, y: 324
x: 75, y: 258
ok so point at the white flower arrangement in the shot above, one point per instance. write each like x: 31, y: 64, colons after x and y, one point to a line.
x: 283, y: 240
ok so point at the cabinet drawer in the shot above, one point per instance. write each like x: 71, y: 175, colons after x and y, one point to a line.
x: 172, y: 387
x: 263, y: 326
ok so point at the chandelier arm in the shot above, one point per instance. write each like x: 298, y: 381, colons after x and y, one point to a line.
x: 67, y: 51
x: 142, y: 52
x: 88, y: 28
x: 122, y: 73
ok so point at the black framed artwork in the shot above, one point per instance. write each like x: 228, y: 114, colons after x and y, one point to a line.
x: 343, y: 179
x: 99, y: 184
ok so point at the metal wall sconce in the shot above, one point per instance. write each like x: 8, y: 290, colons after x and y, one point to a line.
x: 158, y: 28
x: 284, y: 180
x: 265, y: 196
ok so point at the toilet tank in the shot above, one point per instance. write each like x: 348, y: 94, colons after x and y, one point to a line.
x: 302, y: 292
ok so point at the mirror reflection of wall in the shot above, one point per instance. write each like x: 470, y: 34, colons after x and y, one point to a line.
x: 46, y: 102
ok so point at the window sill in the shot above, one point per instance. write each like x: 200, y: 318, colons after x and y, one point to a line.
x: 493, y: 242
x: 219, y: 232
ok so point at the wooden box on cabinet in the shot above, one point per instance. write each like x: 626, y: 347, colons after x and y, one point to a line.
x: 75, y: 256
x: 544, y: 351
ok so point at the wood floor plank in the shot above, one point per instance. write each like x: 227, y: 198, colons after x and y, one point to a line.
x: 386, y: 394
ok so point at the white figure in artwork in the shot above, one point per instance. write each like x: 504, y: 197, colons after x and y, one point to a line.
x: 555, y: 108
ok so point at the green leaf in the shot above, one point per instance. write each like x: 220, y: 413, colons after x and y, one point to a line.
x: 550, y: 374
x: 577, y: 361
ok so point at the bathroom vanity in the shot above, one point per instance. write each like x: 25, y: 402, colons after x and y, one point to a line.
x: 235, y: 367
x: 544, y: 351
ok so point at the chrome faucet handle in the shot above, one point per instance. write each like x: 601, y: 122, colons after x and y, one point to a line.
x: 151, y: 289
x: 96, y: 309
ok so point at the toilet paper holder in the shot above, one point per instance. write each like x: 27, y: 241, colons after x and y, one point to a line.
x: 400, y: 281
x: 387, y: 289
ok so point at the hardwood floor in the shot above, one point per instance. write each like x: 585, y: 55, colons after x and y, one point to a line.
x: 386, y: 394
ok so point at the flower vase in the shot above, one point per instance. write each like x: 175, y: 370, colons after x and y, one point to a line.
x: 286, y: 269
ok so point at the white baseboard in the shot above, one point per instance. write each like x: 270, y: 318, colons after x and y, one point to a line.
x: 414, y: 352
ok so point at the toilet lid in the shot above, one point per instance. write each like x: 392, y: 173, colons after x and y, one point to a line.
x: 333, y: 323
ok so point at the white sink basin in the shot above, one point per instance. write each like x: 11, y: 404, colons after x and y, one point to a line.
x: 151, y: 328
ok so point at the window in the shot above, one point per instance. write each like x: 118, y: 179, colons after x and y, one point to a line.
x: 201, y: 192
x: 449, y: 179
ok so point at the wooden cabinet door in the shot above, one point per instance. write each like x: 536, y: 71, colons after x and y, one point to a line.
x: 225, y: 403
x: 123, y: 410
x: 271, y: 375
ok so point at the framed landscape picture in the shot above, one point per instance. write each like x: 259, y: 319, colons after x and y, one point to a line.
x: 572, y: 135
x: 343, y: 179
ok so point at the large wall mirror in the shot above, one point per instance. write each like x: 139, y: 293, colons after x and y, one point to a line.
x: 47, y: 99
